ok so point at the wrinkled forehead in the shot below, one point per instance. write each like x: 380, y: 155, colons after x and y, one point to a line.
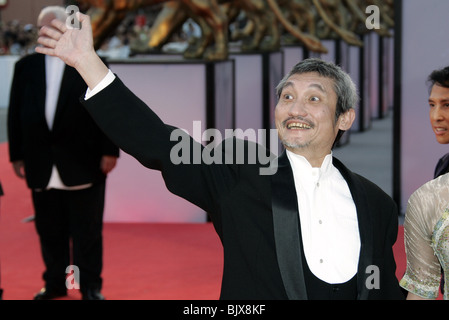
x: 310, y: 80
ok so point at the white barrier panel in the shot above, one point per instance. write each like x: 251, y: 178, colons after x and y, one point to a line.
x: 180, y: 92
x: 257, y: 75
x: 7, y: 64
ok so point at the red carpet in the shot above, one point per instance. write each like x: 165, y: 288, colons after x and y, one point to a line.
x: 141, y: 261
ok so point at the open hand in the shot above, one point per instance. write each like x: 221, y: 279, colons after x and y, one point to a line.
x: 19, y: 168
x: 69, y: 44
x: 74, y: 47
x: 108, y: 163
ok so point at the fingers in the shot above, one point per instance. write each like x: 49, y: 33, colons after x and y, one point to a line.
x: 55, y: 32
x: 83, y: 17
x: 48, y: 38
x: 47, y: 51
x: 51, y: 33
x: 47, y: 42
x: 59, y: 25
x: 85, y: 23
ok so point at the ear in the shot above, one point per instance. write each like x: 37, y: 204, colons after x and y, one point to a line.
x: 346, y: 120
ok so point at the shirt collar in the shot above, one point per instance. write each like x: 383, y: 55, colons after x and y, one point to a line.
x: 301, y: 164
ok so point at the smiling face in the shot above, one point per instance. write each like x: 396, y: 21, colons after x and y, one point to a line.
x: 439, y: 113
x: 305, y: 116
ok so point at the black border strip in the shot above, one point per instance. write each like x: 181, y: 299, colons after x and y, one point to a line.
x: 380, y: 80
x: 362, y: 94
x: 398, y: 6
x: 210, y: 95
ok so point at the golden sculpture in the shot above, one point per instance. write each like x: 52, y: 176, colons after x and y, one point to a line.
x: 301, y: 13
x: 307, y: 21
x: 261, y: 32
x: 108, y: 14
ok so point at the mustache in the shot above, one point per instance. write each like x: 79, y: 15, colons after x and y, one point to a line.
x: 308, y: 122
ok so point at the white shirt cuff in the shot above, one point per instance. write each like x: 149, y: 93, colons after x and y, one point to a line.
x: 107, y: 80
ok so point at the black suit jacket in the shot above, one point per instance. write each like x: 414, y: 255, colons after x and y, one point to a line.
x: 75, y: 143
x: 442, y: 166
x: 255, y: 216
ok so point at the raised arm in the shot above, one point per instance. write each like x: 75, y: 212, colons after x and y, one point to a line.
x: 74, y: 47
x: 130, y: 123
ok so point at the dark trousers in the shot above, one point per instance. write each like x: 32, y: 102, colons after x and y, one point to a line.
x: 70, y: 225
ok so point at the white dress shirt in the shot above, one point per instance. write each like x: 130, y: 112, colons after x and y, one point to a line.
x: 328, y: 217
x: 107, y: 80
x: 54, y: 70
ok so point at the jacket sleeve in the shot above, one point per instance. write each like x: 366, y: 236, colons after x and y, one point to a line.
x: 108, y: 148
x: 138, y: 131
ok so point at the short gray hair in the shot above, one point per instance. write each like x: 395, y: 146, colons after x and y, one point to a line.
x: 58, y: 11
x: 347, y: 96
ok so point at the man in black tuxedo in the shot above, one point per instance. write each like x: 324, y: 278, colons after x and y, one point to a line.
x: 438, y: 82
x: 439, y: 113
x: 64, y: 157
x: 311, y: 229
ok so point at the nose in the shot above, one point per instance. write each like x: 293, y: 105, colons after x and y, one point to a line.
x: 436, y: 114
x: 297, y: 109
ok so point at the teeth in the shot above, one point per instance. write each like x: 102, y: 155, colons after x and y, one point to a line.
x: 298, y: 126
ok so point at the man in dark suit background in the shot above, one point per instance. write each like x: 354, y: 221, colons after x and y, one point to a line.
x: 64, y: 157
x: 438, y: 82
x: 311, y: 230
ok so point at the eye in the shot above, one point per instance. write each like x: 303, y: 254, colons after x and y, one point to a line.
x: 314, y: 99
x: 287, y: 96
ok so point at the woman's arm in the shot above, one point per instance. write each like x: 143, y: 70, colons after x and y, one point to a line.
x: 412, y: 296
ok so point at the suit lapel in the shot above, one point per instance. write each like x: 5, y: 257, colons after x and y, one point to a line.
x: 442, y: 166
x: 286, y: 230
x: 364, y: 222
x: 40, y: 85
